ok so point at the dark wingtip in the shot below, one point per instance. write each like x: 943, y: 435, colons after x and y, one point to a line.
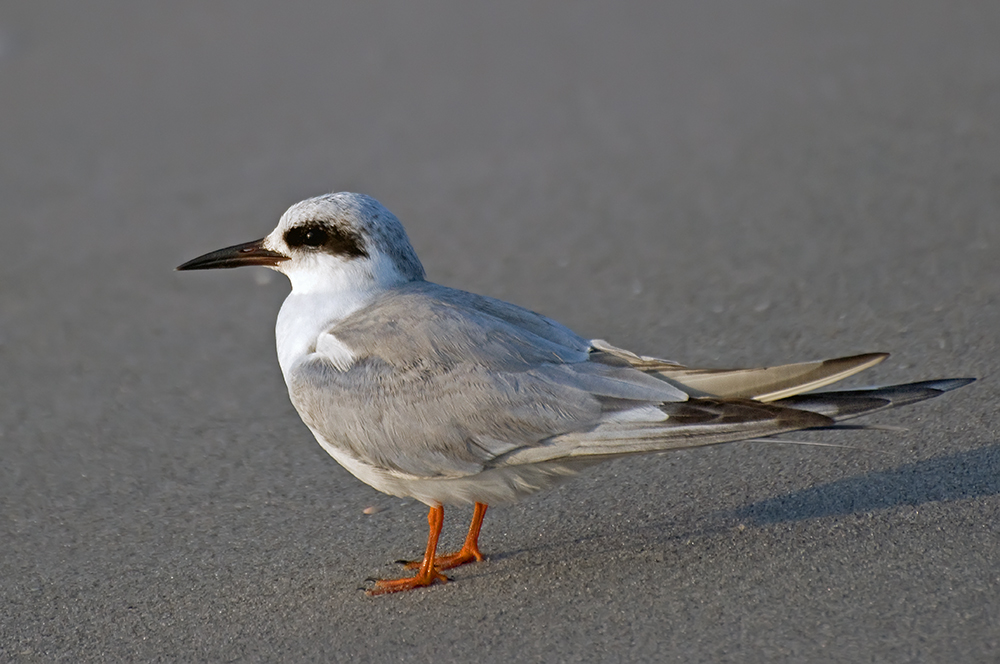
x: 879, y: 356
x: 946, y: 384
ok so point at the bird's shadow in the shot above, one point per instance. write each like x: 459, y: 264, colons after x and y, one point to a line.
x: 971, y: 474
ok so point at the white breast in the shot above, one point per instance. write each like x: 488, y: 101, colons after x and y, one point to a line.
x: 325, y: 290
x: 303, y: 324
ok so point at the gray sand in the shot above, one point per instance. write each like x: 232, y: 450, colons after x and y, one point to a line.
x: 749, y: 183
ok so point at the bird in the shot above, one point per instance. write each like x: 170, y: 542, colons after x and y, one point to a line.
x: 448, y: 397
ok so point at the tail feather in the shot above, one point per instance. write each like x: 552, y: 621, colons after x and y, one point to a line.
x: 702, y: 421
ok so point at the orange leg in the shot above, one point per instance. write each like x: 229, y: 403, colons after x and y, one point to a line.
x: 469, y: 553
x: 427, y: 573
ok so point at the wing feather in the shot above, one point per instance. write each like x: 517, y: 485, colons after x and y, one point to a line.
x: 428, y: 383
x: 762, y: 384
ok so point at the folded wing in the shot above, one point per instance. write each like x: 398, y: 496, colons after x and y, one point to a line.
x: 442, y: 385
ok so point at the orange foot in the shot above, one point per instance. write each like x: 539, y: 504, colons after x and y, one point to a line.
x: 467, y: 554
x: 428, y: 574
x: 422, y: 579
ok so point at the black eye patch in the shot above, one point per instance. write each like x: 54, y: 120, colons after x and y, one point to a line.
x: 325, y: 238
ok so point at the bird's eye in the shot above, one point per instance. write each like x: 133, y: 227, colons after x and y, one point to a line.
x: 310, y: 236
x: 332, y: 240
x: 315, y: 237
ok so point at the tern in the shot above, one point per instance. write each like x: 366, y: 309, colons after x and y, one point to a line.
x: 448, y: 397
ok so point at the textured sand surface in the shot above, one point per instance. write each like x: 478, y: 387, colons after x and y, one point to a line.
x: 746, y: 183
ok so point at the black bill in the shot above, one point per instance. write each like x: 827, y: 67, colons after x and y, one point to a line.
x: 248, y: 253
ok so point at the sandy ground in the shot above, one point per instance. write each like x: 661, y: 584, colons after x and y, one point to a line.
x: 724, y: 185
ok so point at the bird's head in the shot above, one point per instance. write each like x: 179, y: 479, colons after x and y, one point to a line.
x: 334, y: 242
